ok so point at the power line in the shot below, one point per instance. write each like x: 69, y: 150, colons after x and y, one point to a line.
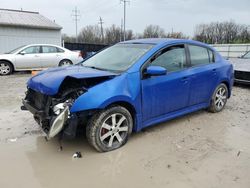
x: 101, y: 22
x: 76, y: 17
x: 124, y: 17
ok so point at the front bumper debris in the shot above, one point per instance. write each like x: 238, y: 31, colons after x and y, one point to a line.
x: 56, y: 123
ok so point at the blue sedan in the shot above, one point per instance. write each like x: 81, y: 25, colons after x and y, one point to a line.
x: 127, y: 87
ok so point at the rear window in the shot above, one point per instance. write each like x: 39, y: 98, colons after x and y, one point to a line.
x: 200, y: 55
x: 60, y: 50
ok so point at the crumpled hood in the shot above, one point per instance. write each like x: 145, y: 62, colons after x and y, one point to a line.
x: 49, y: 81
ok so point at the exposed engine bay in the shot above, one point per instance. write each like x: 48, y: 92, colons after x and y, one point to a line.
x: 52, y: 113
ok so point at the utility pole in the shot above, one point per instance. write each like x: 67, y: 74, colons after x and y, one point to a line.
x: 124, y: 18
x: 76, y: 17
x: 121, y: 30
x: 101, y: 22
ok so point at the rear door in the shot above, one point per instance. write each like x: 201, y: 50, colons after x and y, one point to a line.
x: 51, y: 56
x: 29, y: 58
x: 204, y: 74
x: 166, y: 93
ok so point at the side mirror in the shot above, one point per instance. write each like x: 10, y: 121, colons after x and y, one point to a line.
x: 22, y: 53
x: 155, y: 71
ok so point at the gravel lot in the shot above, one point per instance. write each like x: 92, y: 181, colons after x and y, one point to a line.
x: 198, y: 150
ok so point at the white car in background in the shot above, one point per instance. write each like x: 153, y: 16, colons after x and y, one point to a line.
x: 36, y: 57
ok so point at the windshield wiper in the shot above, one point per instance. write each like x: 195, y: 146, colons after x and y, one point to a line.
x: 97, y: 68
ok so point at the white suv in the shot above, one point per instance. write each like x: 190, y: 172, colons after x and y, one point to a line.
x: 36, y: 57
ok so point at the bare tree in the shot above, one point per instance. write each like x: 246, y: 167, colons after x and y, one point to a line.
x: 67, y: 38
x: 112, y: 34
x: 177, y: 35
x: 154, y: 31
x: 222, y: 32
x: 90, y: 34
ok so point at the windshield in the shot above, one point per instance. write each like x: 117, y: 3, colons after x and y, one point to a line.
x: 117, y: 58
x: 15, y: 50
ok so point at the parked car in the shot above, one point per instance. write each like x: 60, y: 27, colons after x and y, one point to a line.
x: 36, y: 57
x: 127, y: 87
x: 242, y: 68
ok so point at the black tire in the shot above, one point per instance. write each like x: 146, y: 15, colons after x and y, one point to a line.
x: 218, y: 100
x: 96, y: 128
x: 6, y: 68
x: 65, y: 62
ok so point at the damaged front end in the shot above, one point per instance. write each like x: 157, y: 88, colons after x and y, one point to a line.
x: 52, y: 112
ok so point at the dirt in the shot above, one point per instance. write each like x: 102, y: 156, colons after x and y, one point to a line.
x: 197, y: 150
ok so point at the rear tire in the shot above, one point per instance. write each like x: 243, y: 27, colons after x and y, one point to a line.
x: 109, y: 129
x: 65, y: 62
x: 6, y: 68
x: 219, y: 98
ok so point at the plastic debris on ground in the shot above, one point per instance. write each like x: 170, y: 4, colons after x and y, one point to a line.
x: 77, y: 155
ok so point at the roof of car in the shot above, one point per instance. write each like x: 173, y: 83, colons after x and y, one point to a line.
x: 160, y: 41
x: 149, y: 40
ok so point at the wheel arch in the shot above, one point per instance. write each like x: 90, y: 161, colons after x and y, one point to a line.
x: 126, y: 105
x: 228, y: 87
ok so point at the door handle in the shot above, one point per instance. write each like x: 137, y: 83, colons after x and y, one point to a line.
x: 185, y: 79
x: 36, y: 55
x: 214, y: 72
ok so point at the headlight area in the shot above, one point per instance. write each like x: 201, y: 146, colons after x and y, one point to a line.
x: 62, y: 120
x: 52, y: 113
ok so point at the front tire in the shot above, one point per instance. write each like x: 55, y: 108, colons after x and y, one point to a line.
x: 219, y: 98
x: 109, y: 129
x: 65, y: 62
x: 5, y: 68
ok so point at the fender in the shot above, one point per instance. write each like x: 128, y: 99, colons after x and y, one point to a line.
x: 104, y: 94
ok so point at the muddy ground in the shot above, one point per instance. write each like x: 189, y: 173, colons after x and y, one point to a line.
x: 198, y: 150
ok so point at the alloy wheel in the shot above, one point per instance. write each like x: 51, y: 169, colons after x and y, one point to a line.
x: 114, y: 130
x: 65, y: 63
x: 4, y: 69
x: 220, y: 98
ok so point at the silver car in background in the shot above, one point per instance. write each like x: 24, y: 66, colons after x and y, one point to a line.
x: 242, y: 68
x: 36, y: 57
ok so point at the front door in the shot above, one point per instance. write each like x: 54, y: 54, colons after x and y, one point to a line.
x: 166, y: 93
x: 29, y: 58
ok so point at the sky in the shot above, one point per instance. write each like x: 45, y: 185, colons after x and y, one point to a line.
x: 179, y: 15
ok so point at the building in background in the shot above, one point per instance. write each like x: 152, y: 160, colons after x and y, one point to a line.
x: 19, y: 28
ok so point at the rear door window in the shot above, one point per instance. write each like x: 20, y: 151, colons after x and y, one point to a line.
x: 49, y: 49
x: 200, y: 55
x: 60, y: 50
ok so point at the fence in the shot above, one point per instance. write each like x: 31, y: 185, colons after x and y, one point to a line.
x: 232, y: 50
x: 226, y: 50
x: 86, y: 49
